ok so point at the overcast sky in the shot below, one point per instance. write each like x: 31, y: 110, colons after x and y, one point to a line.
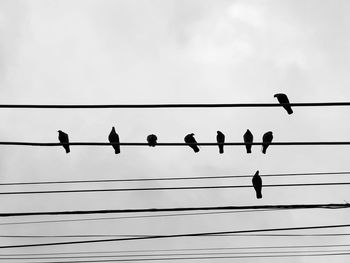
x: 162, y: 51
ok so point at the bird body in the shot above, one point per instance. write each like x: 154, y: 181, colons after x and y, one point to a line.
x: 114, y: 140
x: 267, y: 139
x: 257, y: 184
x: 248, y: 140
x: 283, y: 99
x: 220, y: 138
x: 191, y: 141
x: 64, y: 139
x: 152, y: 140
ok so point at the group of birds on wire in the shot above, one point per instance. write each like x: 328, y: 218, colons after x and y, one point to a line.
x: 189, y: 138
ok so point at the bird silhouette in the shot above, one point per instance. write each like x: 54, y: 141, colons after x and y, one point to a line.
x: 220, y: 138
x: 191, y: 141
x: 283, y: 99
x: 63, y: 138
x: 152, y: 140
x: 113, y: 138
x: 248, y: 140
x: 267, y: 139
x: 257, y: 184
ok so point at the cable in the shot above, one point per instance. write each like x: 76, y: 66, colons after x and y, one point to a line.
x: 164, y: 188
x: 174, y: 178
x: 173, y: 143
x: 203, y: 234
x: 180, y: 250
x: 178, y: 209
x: 131, y: 217
x: 172, y: 105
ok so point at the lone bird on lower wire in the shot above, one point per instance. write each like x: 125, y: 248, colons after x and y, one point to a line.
x: 63, y: 138
x: 257, y: 184
x: 152, y: 140
x: 191, y: 141
x: 267, y: 139
x: 114, y: 140
x: 220, y: 138
x: 248, y: 140
x: 283, y: 99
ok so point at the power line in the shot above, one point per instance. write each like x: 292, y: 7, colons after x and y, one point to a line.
x: 178, y: 209
x: 166, y: 188
x: 172, y: 105
x: 202, y: 234
x: 131, y: 217
x: 174, y: 178
x: 53, y: 144
x: 249, y: 248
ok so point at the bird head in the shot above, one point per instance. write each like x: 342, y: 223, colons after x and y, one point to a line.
x: 256, y: 173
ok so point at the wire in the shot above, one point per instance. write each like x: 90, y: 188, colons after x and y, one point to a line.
x: 173, y: 105
x: 164, y: 188
x: 172, y: 143
x: 202, y: 234
x: 131, y: 217
x: 180, y: 250
x: 174, y: 178
x: 178, y: 209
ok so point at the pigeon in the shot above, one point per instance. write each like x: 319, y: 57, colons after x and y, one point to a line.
x: 257, y: 184
x: 267, y: 139
x: 283, y: 99
x: 114, y: 140
x: 220, y: 138
x: 248, y: 139
x: 63, y: 138
x: 152, y: 140
x: 191, y: 141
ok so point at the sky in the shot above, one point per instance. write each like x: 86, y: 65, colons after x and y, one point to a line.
x: 167, y: 51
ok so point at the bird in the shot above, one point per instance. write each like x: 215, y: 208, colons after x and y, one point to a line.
x: 220, y: 138
x: 114, y: 140
x: 248, y: 140
x: 267, y: 139
x: 152, y: 140
x: 283, y: 99
x: 257, y: 184
x: 63, y: 138
x: 191, y: 141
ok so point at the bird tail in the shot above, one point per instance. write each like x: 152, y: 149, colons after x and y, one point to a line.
x: 221, y: 149
x: 195, y: 148
x: 264, y: 148
x: 289, y: 110
x: 67, y: 148
x: 249, y: 148
x: 258, y: 195
x: 117, y: 151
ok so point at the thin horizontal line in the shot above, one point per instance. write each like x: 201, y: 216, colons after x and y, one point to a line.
x: 172, y: 105
x: 178, y: 209
x: 165, y: 188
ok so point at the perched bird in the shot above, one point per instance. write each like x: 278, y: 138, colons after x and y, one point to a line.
x: 63, y: 138
x: 220, y: 138
x: 114, y: 139
x: 248, y: 140
x: 257, y: 184
x: 283, y: 99
x: 152, y: 140
x: 267, y: 139
x: 191, y: 141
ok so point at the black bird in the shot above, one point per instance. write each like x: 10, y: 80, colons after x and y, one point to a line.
x: 248, y: 140
x: 114, y: 139
x: 191, y: 141
x: 152, y: 140
x: 283, y: 99
x: 257, y: 184
x: 63, y: 138
x: 220, y: 138
x: 267, y: 139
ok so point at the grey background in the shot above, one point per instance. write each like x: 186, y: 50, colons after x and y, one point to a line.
x: 110, y: 52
